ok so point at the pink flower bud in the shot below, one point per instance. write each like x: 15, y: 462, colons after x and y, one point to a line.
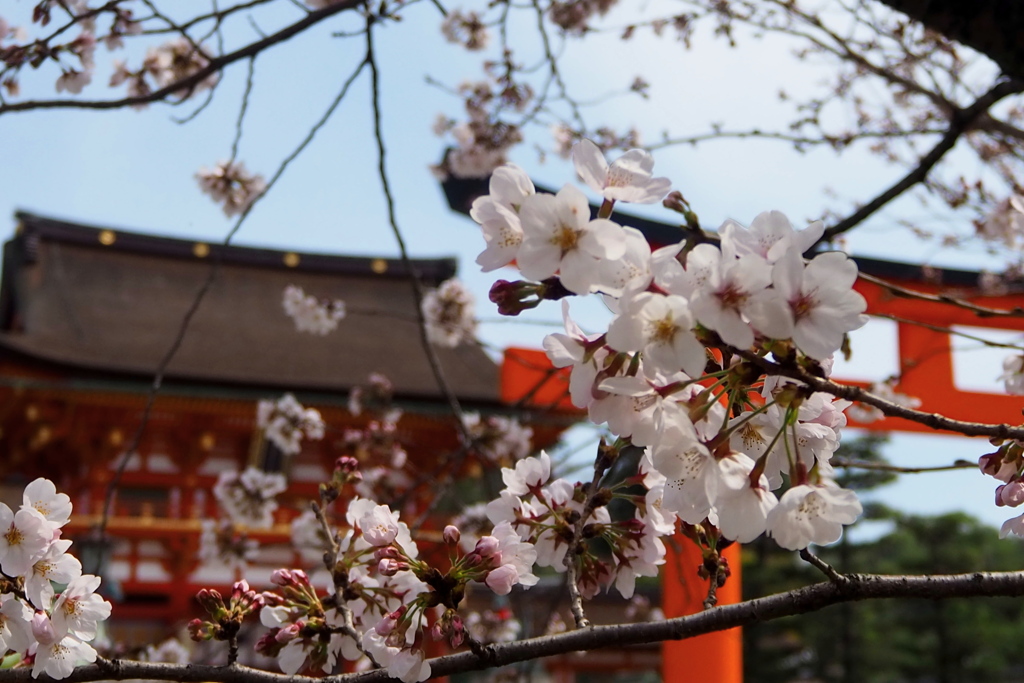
x: 389, y: 567
x: 212, y: 602
x: 386, y: 552
x: 451, y: 535
x: 281, y: 577
x: 199, y: 630
x: 487, y: 546
x: 389, y: 622
x: 42, y: 629
x: 1011, y: 494
x: 289, y: 632
x: 347, y: 464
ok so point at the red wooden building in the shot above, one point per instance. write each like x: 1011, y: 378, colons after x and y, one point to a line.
x: 87, y: 313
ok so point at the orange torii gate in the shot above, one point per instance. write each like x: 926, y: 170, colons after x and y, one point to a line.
x: 917, y: 299
x: 922, y: 301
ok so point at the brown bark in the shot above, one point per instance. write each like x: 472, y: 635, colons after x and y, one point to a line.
x: 994, y: 28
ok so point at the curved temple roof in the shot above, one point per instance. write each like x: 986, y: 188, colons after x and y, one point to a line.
x: 84, y: 299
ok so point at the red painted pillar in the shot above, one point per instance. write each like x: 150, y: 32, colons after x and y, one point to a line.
x: 711, y: 658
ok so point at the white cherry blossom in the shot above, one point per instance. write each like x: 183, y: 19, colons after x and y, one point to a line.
x: 310, y: 314
x: 56, y: 566
x: 517, y: 560
x: 559, y: 237
x: 812, y: 514
x: 627, y: 179
x: 42, y: 495
x: 1013, y: 374
x: 529, y: 473
x: 662, y: 328
x: 57, y: 652
x: 769, y: 236
x: 79, y: 609
x: 821, y: 301
x: 731, y: 296
x: 402, y: 663
x: 498, y: 216
x: 571, y: 348
x: 24, y: 537
x: 15, y: 624
x: 449, y: 314
x: 632, y: 271
x: 741, y: 508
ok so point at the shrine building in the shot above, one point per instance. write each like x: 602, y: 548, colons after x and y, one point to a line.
x: 87, y: 314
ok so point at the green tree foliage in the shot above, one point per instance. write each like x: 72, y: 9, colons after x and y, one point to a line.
x: 912, y: 641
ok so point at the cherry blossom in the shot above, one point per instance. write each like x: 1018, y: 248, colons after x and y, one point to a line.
x: 248, y: 497
x: 576, y: 349
x: 812, y: 514
x: 15, y: 623
x: 56, y: 566
x: 498, y: 215
x: 529, y: 473
x: 741, y: 507
x: 1005, y: 223
x: 627, y: 179
x: 661, y: 327
x: 769, y: 236
x: 559, y: 237
x: 449, y: 314
x: 822, y: 303
x: 406, y: 664
x: 231, y: 184
x: 78, y: 609
x: 57, y: 651
x: 42, y: 495
x: 24, y: 537
x: 731, y: 296
x: 516, y: 561
x: 285, y: 422
x: 313, y: 315
x: 379, y: 525
x: 1013, y: 374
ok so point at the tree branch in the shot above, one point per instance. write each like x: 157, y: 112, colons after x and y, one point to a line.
x: 992, y: 27
x: 960, y: 122
x: 216, y: 65
x: 800, y: 601
x: 852, y: 393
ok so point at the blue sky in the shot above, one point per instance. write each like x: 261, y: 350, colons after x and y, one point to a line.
x: 135, y: 170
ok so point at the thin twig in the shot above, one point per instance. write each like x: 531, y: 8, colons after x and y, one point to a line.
x: 215, y: 65
x: 852, y: 393
x: 823, y: 566
x: 241, y: 110
x: 980, y: 311
x: 414, y: 277
x: 198, y: 300
x: 959, y: 123
x: 861, y: 465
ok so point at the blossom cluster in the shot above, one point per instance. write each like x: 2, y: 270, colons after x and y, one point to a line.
x: 498, y: 439
x: 313, y: 315
x: 48, y: 631
x: 285, y: 422
x: 483, y: 140
x: 448, y: 314
x: 231, y: 184
x: 676, y: 372
x: 248, y: 497
x: 1006, y: 464
x: 392, y: 599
